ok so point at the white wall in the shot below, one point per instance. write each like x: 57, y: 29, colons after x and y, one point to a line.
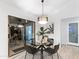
x: 6, y: 10
x: 64, y: 28
x: 56, y: 34
x: 64, y: 14
x: 3, y: 34
x: 64, y: 32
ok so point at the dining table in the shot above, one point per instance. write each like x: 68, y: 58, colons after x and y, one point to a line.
x: 42, y: 48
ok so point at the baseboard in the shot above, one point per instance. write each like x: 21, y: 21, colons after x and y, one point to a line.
x: 69, y: 45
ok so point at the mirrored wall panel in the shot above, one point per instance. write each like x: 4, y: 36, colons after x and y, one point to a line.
x: 19, y: 28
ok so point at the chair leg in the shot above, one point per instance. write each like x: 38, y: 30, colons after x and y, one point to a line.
x: 25, y: 54
x: 52, y: 56
x: 33, y: 56
x: 57, y: 55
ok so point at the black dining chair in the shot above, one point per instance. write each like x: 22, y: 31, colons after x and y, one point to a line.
x: 30, y: 49
x: 51, y: 40
x: 52, y: 51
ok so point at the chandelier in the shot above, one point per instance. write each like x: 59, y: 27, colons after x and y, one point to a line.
x: 42, y: 19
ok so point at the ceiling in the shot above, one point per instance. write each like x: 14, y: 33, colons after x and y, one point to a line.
x: 34, y: 6
x: 57, y: 8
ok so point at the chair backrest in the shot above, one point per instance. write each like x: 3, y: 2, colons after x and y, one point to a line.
x: 30, y: 49
x: 51, y: 40
x: 56, y: 47
x: 52, y: 50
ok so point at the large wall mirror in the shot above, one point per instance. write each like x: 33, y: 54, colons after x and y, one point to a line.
x: 19, y: 30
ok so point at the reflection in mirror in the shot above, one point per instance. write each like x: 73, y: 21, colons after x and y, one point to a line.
x: 16, y: 33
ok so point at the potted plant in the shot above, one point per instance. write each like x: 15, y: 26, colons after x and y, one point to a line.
x: 42, y: 33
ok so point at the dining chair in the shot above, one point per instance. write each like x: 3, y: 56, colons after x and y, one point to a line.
x: 51, y: 40
x: 52, y: 51
x: 30, y: 49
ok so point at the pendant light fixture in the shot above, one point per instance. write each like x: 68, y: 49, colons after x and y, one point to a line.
x: 42, y: 19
